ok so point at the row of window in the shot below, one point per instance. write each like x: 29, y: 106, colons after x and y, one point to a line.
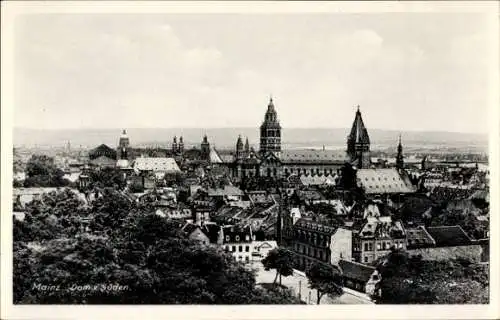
x: 240, y: 258
x: 304, y: 171
x: 386, y: 245
x: 316, y: 253
x: 240, y: 248
x: 237, y: 238
x: 312, y: 238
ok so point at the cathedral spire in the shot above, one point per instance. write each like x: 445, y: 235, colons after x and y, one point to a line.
x: 247, y: 146
x: 358, y: 142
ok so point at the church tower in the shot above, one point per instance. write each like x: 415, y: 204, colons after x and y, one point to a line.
x: 239, y: 148
x: 358, y: 143
x: 175, y: 146
x: 205, y: 148
x: 270, y: 131
x: 399, y: 158
x: 181, y: 145
x: 123, y: 145
x: 247, y: 148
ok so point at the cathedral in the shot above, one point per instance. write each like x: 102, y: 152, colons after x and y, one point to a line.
x: 274, y: 162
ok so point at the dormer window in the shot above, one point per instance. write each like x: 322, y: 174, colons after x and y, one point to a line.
x: 237, y: 238
x: 247, y: 238
x: 227, y: 238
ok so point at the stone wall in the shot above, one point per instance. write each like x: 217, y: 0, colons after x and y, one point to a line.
x: 471, y: 252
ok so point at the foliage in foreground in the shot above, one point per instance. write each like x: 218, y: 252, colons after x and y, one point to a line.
x: 411, y: 280
x: 114, y: 251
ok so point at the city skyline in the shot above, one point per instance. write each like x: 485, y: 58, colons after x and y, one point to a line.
x: 189, y: 70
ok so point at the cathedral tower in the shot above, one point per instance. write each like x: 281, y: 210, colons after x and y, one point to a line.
x: 270, y: 131
x: 358, y: 143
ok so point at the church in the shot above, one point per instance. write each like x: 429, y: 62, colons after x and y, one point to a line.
x: 274, y: 162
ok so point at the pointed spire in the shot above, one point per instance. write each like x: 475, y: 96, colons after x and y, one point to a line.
x: 359, y: 134
x: 247, y: 145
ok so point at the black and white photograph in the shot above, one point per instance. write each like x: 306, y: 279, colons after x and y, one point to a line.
x: 260, y: 155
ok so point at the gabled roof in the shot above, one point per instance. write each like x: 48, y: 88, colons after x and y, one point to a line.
x: 356, y: 271
x: 359, y: 134
x: 103, y: 161
x: 102, y: 150
x: 214, y: 156
x: 448, y: 236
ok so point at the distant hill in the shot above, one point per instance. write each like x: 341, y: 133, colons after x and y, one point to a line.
x: 226, y: 138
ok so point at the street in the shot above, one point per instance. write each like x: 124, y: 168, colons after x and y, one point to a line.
x: 299, y: 285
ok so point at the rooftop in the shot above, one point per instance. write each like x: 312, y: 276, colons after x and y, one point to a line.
x: 383, y: 181
x: 356, y: 271
x: 156, y: 164
x: 448, y: 236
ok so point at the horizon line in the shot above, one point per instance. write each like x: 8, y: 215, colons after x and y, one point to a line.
x: 241, y: 127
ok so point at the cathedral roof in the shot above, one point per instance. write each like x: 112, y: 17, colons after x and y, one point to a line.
x: 313, y: 156
x: 359, y: 134
x: 383, y: 181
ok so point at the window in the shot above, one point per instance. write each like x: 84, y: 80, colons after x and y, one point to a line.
x: 237, y: 238
x: 233, y: 249
x: 240, y: 248
x: 227, y: 238
x: 366, y: 246
x: 247, y: 248
x: 370, y: 246
x: 247, y: 237
x: 378, y: 246
x: 247, y: 259
x: 366, y: 259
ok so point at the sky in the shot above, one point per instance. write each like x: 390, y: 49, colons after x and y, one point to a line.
x: 410, y: 71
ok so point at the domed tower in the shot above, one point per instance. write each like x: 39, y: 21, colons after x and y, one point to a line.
x: 270, y: 131
x: 239, y: 148
x: 358, y: 143
x: 123, y: 145
x: 399, y: 158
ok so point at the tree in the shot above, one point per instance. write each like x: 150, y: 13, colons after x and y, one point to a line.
x: 326, y: 279
x: 107, y: 178
x: 143, y: 253
x: 41, y: 171
x: 411, y: 280
x: 281, y: 260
